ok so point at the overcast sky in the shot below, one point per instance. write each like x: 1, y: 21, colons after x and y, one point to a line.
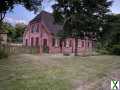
x: 21, y: 15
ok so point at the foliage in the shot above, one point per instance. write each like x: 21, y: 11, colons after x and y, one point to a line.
x: 19, y: 29
x: 8, y: 5
x: 89, y: 15
x: 103, y: 51
x: 14, y: 32
x: 111, y: 35
x: 81, y: 16
x: 111, y: 32
x: 9, y: 29
x: 115, y: 49
x: 46, y: 49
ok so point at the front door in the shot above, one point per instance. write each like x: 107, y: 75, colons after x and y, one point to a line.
x: 37, y: 41
x: 45, y: 46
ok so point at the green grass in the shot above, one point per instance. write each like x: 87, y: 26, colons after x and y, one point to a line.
x: 34, y: 72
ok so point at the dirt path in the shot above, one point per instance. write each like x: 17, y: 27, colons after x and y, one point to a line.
x: 100, y: 84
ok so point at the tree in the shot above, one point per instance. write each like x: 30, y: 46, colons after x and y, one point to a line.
x: 8, y: 5
x: 15, y: 33
x: 19, y: 29
x: 80, y: 17
x: 9, y: 29
x: 111, y: 33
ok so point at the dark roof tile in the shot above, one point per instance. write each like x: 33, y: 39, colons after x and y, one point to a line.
x: 48, y: 20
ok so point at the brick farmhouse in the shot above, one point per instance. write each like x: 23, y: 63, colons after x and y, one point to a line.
x: 41, y: 32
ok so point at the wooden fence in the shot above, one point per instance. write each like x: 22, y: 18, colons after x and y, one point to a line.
x: 17, y: 49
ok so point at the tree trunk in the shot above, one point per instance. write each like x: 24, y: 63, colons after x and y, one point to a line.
x: 2, y: 16
x: 76, y: 47
x: 61, y: 45
x: 0, y: 29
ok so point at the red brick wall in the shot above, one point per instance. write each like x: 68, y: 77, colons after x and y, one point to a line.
x: 45, y: 34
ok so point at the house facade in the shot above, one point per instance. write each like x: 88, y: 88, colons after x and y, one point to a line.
x: 41, y: 32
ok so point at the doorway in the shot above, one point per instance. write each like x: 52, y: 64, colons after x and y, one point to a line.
x: 45, y: 46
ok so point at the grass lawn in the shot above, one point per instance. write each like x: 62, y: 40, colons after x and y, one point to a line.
x: 34, y: 72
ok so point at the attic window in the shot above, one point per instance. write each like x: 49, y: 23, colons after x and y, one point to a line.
x: 37, y: 28
x: 34, y: 29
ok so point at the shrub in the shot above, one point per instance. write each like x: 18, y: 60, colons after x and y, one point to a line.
x: 103, y: 51
x: 46, y: 49
x: 3, y: 53
x: 115, y: 49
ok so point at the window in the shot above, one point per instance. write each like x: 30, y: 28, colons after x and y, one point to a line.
x: 79, y: 43
x: 56, y: 42
x: 35, y: 29
x: 88, y: 44
x: 53, y: 42
x: 66, y: 43
x: 70, y: 43
x: 82, y: 43
x: 32, y: 30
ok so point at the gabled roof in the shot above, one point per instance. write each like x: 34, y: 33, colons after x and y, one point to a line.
x: 48, y: 20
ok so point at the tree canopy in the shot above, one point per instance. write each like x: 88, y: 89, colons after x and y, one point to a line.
x: 15, y: 33
x: 111, y: 34
x: 81, y: 15
x: 8, y: 5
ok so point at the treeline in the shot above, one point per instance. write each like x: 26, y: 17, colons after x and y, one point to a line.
x: 110, y: 37
x: 15, y: 33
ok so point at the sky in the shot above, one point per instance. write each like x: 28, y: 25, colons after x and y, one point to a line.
x: 21, y: 15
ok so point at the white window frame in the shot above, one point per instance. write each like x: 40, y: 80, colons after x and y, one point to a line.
x: 56, y: 43
x: 67, y: 43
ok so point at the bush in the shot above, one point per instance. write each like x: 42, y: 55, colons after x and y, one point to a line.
x: 115, y: 49
x: 103, y: 51
x: 3, y: 53
x: 46, y: 49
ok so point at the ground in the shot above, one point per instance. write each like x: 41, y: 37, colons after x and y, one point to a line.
x: 56, y: 72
